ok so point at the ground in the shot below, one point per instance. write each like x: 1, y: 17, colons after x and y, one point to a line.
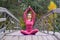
x: 39, y: 36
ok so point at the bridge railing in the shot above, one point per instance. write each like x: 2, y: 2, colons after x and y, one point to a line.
x: 12, y: 23
x: 48, y: 22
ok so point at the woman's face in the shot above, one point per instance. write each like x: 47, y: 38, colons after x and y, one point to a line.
x: 29, y: 16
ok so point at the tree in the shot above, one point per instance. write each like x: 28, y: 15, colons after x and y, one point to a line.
x: 17, y: 8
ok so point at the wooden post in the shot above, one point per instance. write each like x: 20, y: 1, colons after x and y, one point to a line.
x: 43, y: 24
x: 53, y: 22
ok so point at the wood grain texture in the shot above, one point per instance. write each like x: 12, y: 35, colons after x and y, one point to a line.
x: 41, y: 36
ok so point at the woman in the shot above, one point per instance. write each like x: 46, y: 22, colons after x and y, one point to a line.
x: 29, y: 20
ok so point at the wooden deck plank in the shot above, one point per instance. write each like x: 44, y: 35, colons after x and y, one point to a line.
x: 14, y: 37
x: 40, y: 38
x: 44, y: 37
x: 54, y: 38
x: 21, y: 38
x: 34, y: 38
x: 50, y: 37
x: 10, y: 38
x: 28, y: 37
x: 57, y: 35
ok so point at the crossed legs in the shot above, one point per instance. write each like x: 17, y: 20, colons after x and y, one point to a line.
x: 32, y: 32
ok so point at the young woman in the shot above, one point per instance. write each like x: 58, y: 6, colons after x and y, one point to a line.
x: 29, y: 19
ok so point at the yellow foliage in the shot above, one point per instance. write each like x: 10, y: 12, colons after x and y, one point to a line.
x: 52, y: 6
x: 22, y: 22
x: 50, y: 27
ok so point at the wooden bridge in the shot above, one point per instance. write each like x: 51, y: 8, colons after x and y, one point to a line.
x: 14, y: 33
x: 39, y: 36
